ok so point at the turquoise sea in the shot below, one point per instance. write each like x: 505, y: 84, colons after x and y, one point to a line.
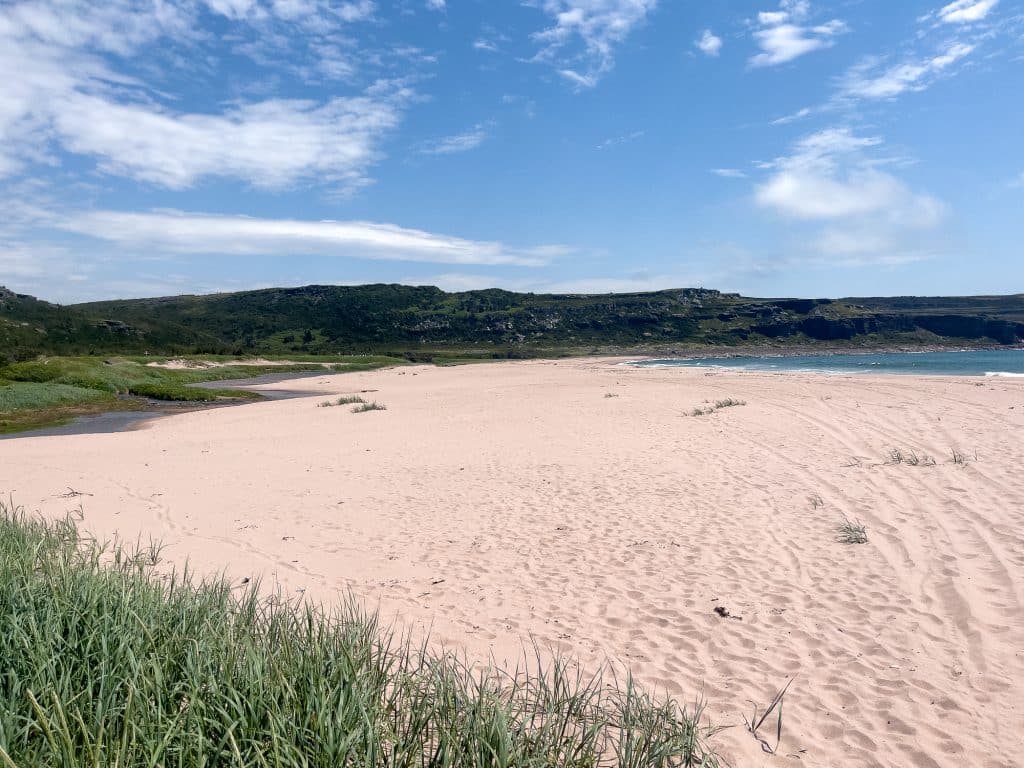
x: 1009, y: 362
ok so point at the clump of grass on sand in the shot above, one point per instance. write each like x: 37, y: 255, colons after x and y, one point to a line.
x: 754, y: 723
x: 728, y: 403
x: 960, y: 458
x: 108, y: 662
x: 343, y: 400
x: 852, y: 532
x: 716, y: 406
x: 373, y: 406
x: 910, y: 458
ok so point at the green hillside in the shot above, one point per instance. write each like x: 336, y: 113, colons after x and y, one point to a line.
x: 321, y: 319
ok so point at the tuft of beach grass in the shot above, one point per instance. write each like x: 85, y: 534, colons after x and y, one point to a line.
x: 372, y: 406
x: 852, y: 532
x: 343, y: 400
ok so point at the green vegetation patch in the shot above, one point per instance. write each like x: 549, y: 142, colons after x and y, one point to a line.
x: 20, y: 396
x: 184, y: 394
x: 52, y: 390
x: 107, y: 664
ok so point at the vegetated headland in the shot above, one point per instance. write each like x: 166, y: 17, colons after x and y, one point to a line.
x: 425, y: 323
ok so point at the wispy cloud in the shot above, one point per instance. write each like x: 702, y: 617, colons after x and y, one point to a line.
x: 729, y: 173
x: 800, y: 114
x: 436, y: 5
x: 582, y: 40
x: 709, y: 43
x: 58, y: 91
x: 460, y: 142
x: 577, y: 79
x: 871, y: 79
x: 190, y: 233
x: 615, y: 141
x: 785, y: 34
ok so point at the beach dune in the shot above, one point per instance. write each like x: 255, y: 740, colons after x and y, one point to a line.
x: 582, y: 504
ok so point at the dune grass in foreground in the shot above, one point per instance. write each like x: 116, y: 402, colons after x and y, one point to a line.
x: 103, y: 662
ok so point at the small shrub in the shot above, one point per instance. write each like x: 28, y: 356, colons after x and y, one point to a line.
x: 344, y: 400
x: 364, y: 407
x: 729, y: 403
x: 852, y: 532
x: 816, y: 501
x: 610, y: 394
x: 717, y: 405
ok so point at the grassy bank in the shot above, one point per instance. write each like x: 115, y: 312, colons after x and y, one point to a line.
x: 102, y: 663
x: 52, y: 390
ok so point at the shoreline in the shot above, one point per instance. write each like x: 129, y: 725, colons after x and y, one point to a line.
x: 158, y: 410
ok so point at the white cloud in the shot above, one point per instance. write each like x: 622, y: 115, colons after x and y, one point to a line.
x: 456, y: 282
x: 189, y: 233
x: 830, y: 176
x: 628, y: 284
x: 582, y: 81
x: 966, y: 11
x: 865, y: 81
x: 709, y: 43
x: 783, y: 35
x: 729, y: 173
x: 585, y: 33
x: 483, y: 44
x: 800, y: 114
x: 436, y: 5
x: 56, y: 90
x: 316, y: 12
x: 270, y: 144
x: 460, y: 142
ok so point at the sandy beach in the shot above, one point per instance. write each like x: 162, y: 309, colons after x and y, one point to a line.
x: 581, y: 504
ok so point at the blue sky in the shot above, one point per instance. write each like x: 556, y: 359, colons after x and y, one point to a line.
x: 801, y: 147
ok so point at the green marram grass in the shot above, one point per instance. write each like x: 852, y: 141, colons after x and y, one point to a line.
x: 108, y: 659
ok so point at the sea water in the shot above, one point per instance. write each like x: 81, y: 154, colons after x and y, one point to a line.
x: 999, y: 362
